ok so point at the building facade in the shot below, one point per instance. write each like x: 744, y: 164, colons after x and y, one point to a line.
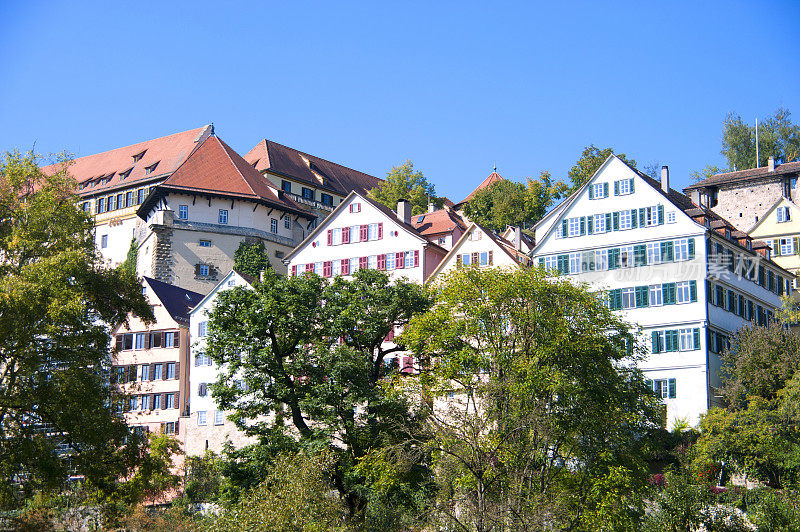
x: 685, y: 276
x: 779, y: 228
x: 150, y: 361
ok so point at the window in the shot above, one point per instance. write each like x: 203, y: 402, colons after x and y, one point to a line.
x: 355, y: 207
x: 150, y: 169
x: 140, y: 340
x: 683, y: 292
x: 101, y: 205
x: 657, y: 345
x: 664, y: 388
x: 169, y: 427
x: 574, y: 225
x: 156, y: 402
x: 574, y: 263
x: 202, y: 329
x: 336, y: 236
x: 623, y: 187
x: 484, y: 258
x: 204, y: 270
x: 656, y: 295
x: 139, y: 196
x: 183, y: 212
x: 171, y: 339
x: 783, y: 214
x: 670, y: 217
x: 287, y: 222
x: 202, y: 359
x: 104, y: 241
x: 787, y: 246
x: 390, y: 261
x: 625, y: 220
x: 327, y: 199
x: 134, y: 403
x: 205, y: 244
x: 145, y: 402
x: 308, y: 193
x: 219, y: 417
x: 286, y: 186
x: 626, y: 256
x: 201, y: 418
x: 600, y: 223
x: 223, y: 216
x: 169, y: 400
x: 681, y: 249
x: 170, y: 367
x: 628, y: 298
x: 599, y: 191
x: 129, y: 199
x: 600, y: 260
x: 110, y: 203
x: 373, y: 232
x: 120, y: 201
x: 202, y: 389
x: 551, y: 262
x: 157, y: 372
x: 372, y: 262
x: 144, y: 372
x: 654, y: 253
x: 273, y: 225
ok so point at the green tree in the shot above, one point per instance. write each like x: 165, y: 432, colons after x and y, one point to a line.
x: 507, y: 203
x: 57, y: 305
x: 778, y: 137
x: 402, y: 182
x: 588, y: 163
x: 129, y: 266
x: 534, y: 417
x: 251, y: 258
x: 314, y: 364
x: 705, y: 173
x: 155, y: 475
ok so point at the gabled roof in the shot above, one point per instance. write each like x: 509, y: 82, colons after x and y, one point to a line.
x: 765, y: 216
x: 284, y: 161
x: 177, y: 301
x: 437, y: 222
x: 493, y: 178
x: 247, y: 278
x: 506, y: 246
x: 747, y: 175
x: 214, y: 168
x: 386, y: 211
x: 167, y: 153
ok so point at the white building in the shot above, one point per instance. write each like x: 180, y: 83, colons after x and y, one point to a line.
x: 207, y: 427
x: 362, y: 233
x: 680, y: 272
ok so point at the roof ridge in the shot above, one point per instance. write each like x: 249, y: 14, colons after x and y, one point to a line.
x: 227, y: 149
x: 316, y: 157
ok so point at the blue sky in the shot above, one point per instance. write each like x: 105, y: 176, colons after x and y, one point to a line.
x: 454, y: 86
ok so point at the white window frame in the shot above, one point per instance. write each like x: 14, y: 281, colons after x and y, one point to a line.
x: 600, y: 260
x: 671, y: 217
x: 681, y: 249
x: 318, y: 267
x: 787, y: 245
x: 104, y: 241
x: 573, y: 227
x: 629, y: 296
x: 219, y: 417
x: 626, y: 259
x: 654, y: 253
x: 372, y: 232
x: 656, y: 295
x: 183, y: 212
x: 784, y: 214
x: 202, y: 419
x: 599, y: 191
x: 650, y: 216
x: 353, y: 265
x: 599, y: 225
x: 202, y: 329
x: 336, y: 236
x: 372, y: 262
x: 686, y: 339
x: 683, y: 292
x: 273, y: 225
x: 624, y: 187
x: 551, y: 262
x: 574, y: 263
x: 409, y: 259
x: 625, y: 220
x: 390, y: 265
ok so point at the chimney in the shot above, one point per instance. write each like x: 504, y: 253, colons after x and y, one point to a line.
x: 665, y: 179
x: 771, y: 163
x: 404, y: 210
x: 518, y: 238
x: 431, y: 207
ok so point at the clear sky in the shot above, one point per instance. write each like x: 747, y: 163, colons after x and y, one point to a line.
x: 454, y: 86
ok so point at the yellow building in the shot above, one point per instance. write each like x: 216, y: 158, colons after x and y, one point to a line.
x: 780, y: 229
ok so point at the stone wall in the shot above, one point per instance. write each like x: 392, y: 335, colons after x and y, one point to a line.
x: 163, y: 259
x: 744, y: 204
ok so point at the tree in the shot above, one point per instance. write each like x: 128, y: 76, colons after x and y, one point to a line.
x: 777, y: 137
x: 154, y: 476
x: 588, y: 163
x: 705, y: 173
x: 129, y: 266
x: 507, y: 203
x: 402, y: 182
x: 251, y: 258
x: 535, y: 414
x: 57, y: 305
x: 312, y: 355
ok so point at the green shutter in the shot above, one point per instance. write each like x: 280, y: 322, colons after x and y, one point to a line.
x: 583, y: 225
x: 605, y: 189
x: 693, y: 291
x: 608, y: 221
x: 797, y: 245
x: 697, y: 338
x: 590, y: 224
x: 613, y: 258
x: 633, y: 219
x: 691, y: 248
x: 641, y: 296
x: 564, y: 227
x: 541, y: 263
x: 631, y: 180
x: 672, y: 388
x: 615, y: 216
x: 660, y: 215
x: 668, y: 293
x: 591, y: 191
x: 640, y: 255
x: 654, y: 337
x: 667, y: 251
x: 563, y: 264
x: 642, y: 217
x: 616, y: 188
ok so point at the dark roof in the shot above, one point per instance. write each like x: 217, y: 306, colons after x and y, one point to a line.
x: 746, y: 175
x: 269, y: 156
x: 214, y: 168
x: 177, y: 301
x: 249, y: 278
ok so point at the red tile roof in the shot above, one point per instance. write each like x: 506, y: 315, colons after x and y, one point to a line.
x: 167, y: 152
x: 745, y: 175
x: 494, y: 177
x: 437, y: 222
x: 214, y: 168
x: 288, y: 162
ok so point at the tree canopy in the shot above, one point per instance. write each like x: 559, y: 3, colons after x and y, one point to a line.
x: 588, y: 163
x: 57, y: 305
x: 251, y: 258
x: 402, y: 182
x: 778, y: 137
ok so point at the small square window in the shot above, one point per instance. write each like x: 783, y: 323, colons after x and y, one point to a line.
x: 286, y: 186
x: 670, y: 217
x: 201, y: 418
x: 183, y: 212
x: 205, y: 243
x: 287, y: 222
x: 204, y: 269
x: 223, y: 216
x: 308, y: 193
x: 219, y: 417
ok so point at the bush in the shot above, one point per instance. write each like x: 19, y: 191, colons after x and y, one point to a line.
x: 776, y: 512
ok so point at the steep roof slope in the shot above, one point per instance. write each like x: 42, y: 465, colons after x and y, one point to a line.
x: 106, y: 170
x: 177, y: 301
x: 306, y: 168
x: 493, y: 178
x: 437, y: 222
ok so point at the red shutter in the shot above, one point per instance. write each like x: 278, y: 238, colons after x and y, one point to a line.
x: 362, y: 263
x: 176, y: 339
x: 381, y: 262
x: 310, y: 267
x: 416, y: 258
x: 380, y: 230
x: 363, y: 233
x: 400, y: 260
x: 351, y: 207
x: 163, y: 401
x: 294, y: 270
x: 330, y: 237
x: 346, y: 234
x: 345, y: 266
x: 327, y: 268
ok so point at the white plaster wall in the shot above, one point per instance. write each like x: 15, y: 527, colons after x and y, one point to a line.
x: 500, y: 258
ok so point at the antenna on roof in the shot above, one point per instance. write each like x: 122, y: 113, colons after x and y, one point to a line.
x: 212, y: 128
x: 495, y: 167
x: 756, y: 142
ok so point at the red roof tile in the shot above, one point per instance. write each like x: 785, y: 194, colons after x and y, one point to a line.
x: 494, y: 177
x: 289, y: 162
x: 744, y: 175
x: 168, y: 152
x: 437, y: 222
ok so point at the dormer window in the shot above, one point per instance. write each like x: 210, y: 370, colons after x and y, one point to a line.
x: 727, y: 233
x: 138, y: 156
x: 124, y: 175
x: 150, y: 169
x: 255, y: 163
x: 749, y: 244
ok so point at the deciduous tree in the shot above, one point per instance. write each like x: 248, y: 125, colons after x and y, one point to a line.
x: 250, y: 258
x: 402, y: 182
x: 588, y: 163
x: 778, y: 137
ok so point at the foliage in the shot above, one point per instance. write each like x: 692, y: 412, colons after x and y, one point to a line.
x: 588, y: 163
x: 251, y: 258
x: 312, y: 358
x: 679, y: 506
x: 174, y: 518
x: 534, y: 414
x: 776, y: 512
x: 129, y: 266
x: 203, y: 478
x: 57, y: 304
x: 155, y: 475
x: 705, y: 173
x: 778, y: 136
x: 295, y: 496
x: 506, y: 203
x: 402, y: 182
